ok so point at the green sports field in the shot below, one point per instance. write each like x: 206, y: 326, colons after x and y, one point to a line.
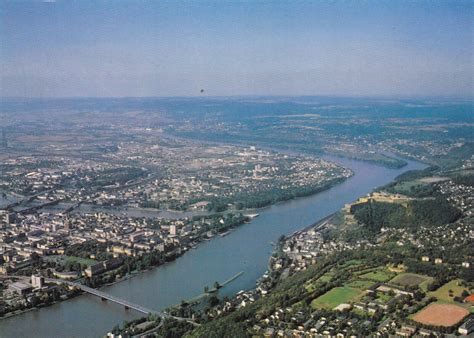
x: 411, y: 279
x: 335, y: 296
x: 378, y: 276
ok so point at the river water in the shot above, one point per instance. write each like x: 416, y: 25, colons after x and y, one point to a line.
x: 246, y: 249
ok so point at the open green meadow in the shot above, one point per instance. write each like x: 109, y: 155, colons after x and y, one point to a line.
x: 406, y: 187
x: 378, y: 275
x: 443, y: 294
x: 62, y: 259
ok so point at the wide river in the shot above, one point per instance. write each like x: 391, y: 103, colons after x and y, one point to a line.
x: 246, y: 249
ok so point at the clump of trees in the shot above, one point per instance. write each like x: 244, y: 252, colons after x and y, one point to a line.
x: 433, y: 212
x: 84, y: 250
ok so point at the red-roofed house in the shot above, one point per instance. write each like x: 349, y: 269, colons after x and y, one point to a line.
x: 469, y: 299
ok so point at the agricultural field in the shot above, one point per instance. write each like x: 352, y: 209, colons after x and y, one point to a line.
x: 411, y: 279
x: 433, y: 179
x: 336, y: 296
x: 443, y: 293
x: 438, y: 314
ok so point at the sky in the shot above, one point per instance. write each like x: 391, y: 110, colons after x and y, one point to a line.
x: 159, y: 48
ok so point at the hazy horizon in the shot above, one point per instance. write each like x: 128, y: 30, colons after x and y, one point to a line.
x: 256, y: 96
x: 137, y: 49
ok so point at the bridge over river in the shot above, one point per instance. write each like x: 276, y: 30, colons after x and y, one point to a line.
x: 106, y: 296
x: 117, y: 300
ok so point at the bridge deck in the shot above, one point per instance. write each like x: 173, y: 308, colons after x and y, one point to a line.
x: 109, y: 297
x: 120, y: 301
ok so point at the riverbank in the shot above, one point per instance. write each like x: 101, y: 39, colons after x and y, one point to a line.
x: 37, y: 308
